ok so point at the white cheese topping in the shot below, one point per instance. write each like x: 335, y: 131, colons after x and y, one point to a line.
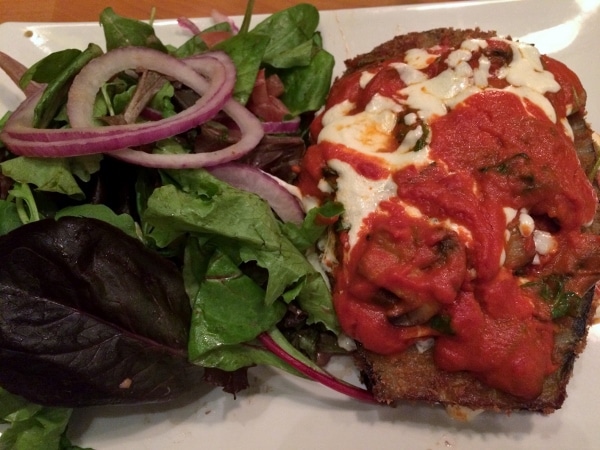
x: 359, y: 195
x: 526, y: 69
x: 545, y: 243
x: 526, y: 223
x: 509, y: 213
x: 371, y: 132
x: 365, y: 78
x: 419, y: 58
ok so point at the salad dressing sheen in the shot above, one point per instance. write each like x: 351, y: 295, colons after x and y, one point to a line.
x: 441, y: 157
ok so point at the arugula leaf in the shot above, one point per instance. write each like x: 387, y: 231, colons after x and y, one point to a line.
x: 124, y: 32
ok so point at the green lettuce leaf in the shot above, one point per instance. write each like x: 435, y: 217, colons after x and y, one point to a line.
x: 32, y: 427
x: 53, y: 174
x: 244, y: 228
x: 9, y: 217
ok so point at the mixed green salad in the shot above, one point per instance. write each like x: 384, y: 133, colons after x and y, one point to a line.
x: 175, y: 274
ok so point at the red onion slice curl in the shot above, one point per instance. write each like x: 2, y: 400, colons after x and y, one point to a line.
x: 85, y: 138
x: 252, y: 179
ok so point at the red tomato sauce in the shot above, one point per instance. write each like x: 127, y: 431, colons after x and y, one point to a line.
x: 492, y: 151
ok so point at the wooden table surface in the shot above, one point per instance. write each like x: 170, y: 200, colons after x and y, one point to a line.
x: 89, y: 10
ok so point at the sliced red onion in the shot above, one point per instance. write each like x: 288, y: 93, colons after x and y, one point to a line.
x: 252, y: 179
x: 284, y: 127
x: 320, y: 376
x: 186, y: 23
x: 85, y: 138
x: 249, y: 125
x: 219, y: 17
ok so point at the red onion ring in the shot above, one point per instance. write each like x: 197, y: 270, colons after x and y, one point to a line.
x: 85, y: 138
x: 252, y: 179
x: 219, y: 17
x: 249, y: 125
x: 186, y: 23
x: 284, y: 127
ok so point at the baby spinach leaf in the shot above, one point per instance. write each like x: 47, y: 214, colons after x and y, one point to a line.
x: 288, y: 29
x: 124, y: 32
x: 300, y: 55
x: 55, y: 93
x: 246, y: 51
x: 306, y: 88
x: 49, y: 68
x: 88, y: 315
x: 195, y: 44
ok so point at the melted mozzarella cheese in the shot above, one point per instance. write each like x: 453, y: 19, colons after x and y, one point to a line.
x: 545, y: 243
x: 526, y: 69
x: 359, y: 195
x: 419, y: 58
x: 370, y: 132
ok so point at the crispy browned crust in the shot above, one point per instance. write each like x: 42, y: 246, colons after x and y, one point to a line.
x: 400, y: 44
x: 413, y: 376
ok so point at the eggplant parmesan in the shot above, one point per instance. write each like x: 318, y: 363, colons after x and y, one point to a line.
x: 464, y: 263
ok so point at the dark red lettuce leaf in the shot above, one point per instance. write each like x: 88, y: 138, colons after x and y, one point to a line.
x: 88, y: 315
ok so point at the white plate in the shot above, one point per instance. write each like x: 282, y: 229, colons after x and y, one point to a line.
x: 281, y: 412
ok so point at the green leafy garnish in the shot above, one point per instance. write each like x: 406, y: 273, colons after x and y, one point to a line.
x: 33, y: 427
x: 552, y: 290
x: 124, y: 32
